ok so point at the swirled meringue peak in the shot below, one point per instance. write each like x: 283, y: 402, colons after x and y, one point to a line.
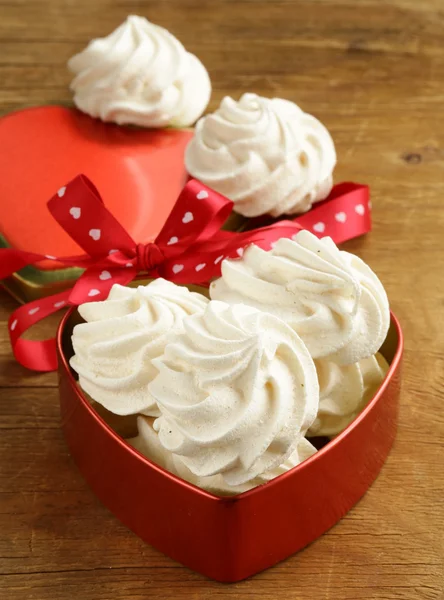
x: 344, y: 392
x: 140, y: 75
x: 266, y: 155
x: 236, y: 391
x: 114, y: 349
x: 147, y: 443
x: 332, y: 299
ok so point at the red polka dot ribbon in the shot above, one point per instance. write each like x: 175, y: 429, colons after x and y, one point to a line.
x: 189, y: 248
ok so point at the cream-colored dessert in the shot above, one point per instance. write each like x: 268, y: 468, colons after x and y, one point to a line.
x: 237, y: 392
x: 140, y: 75
x: 266, y: 155
x: 122, y: 335
x: 147, y: 443
x: 344, y: 391
x: 332, y: 299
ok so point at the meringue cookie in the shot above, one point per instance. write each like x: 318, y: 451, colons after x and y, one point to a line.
x: 237, y: 392
x: 140, y: 75
x: 345, y: 391
x: 266, y: 155
x: 147, y: 443
x: 115, y: 347
x: 332, y: 299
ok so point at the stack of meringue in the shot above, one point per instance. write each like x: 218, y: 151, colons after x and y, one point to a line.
x: 227, y: 390
x: 333, y: 301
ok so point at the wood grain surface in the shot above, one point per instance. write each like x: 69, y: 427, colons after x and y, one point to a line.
x: 373, y: 72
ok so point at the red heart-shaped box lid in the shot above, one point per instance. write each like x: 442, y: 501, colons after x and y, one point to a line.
x: 138, y: 172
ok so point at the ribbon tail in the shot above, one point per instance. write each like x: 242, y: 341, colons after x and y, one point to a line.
x: 12, y: 260
x: 95, y: 283
x: 345, y: 215
x: 36, y: 355
x: 202, y: 261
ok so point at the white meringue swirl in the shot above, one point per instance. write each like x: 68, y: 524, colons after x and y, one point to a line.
x: 114, y: 349
x: 266, y: 155
x: 332, y: 299
x: 140, y: 75
x: 345, y: 391
x: 147, y: 443
x: 236, y: 393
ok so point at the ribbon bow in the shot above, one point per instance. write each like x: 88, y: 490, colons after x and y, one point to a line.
x: 189, y: 248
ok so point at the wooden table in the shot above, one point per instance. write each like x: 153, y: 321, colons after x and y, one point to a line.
x: 373, y: 72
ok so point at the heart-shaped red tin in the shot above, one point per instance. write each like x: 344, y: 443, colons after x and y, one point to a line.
x: 230, y: 538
